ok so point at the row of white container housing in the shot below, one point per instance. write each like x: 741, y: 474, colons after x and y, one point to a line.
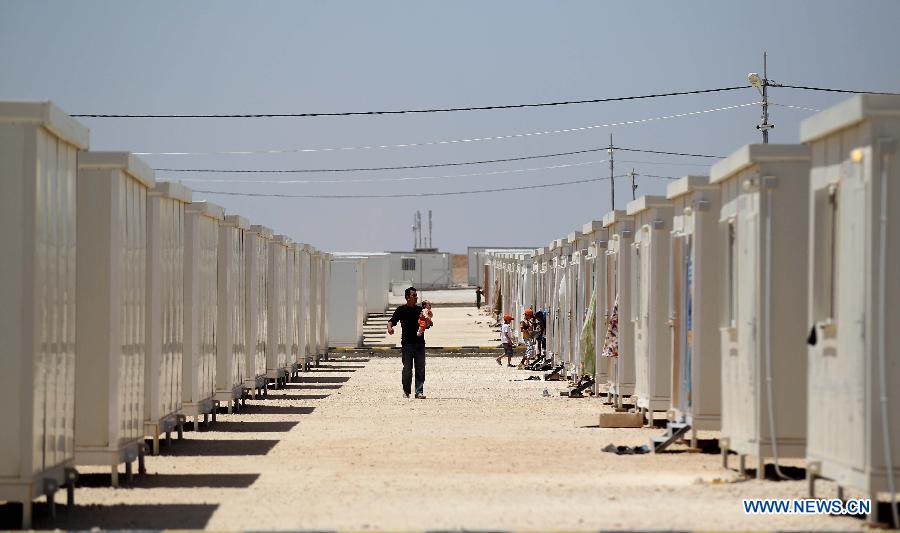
x: 129, y: 307
x: 757, y: 301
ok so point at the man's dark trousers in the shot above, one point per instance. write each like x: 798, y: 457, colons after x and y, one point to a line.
x: 413, y: 354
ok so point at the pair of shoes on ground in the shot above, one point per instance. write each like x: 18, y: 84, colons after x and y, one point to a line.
x: 418, y: 396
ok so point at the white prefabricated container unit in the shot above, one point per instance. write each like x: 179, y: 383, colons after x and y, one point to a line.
x: 378, y: 278
x: 535, y: 270
x: 695, y: 303
x: 854, y: 371
x: 348, y: 293
x: 553, y: 319
x: 111, y: 296
x: 277, y: 310
x: 325, y: 324
x: 650, y: 248
x: 201, y: 309
x: 294, y: 291
x: 165, y: 310
x: 578, y: 285
x: 764, y: 217
x: 595, y: 287
x: 303, y: 279
x: 231, y: 330
x: 620, y: 228
x: 256, y: 273
x: 315, y: 297
x: 38, y: 147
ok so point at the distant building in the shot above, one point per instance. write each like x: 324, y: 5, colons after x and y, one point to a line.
x: 424, y: 268
x: 476, y: 259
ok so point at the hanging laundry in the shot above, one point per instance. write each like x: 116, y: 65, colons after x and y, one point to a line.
x: 588, y: 344
x: 611, y: 342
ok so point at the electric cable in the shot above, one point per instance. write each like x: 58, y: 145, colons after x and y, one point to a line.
x: 432, y: 165
x: 426, y: 178
x: 625, y: 149
x: 371, y: 169
x: 794, y: 106
x: 413, y: 195
x: 383, y: 180
x: 822, y: 89
x: 460, y: 141
x: 416, y: 111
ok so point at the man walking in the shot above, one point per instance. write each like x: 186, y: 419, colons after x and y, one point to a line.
x: 412, y: 346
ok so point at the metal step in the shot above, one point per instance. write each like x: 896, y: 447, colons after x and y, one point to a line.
x: 674, y: 431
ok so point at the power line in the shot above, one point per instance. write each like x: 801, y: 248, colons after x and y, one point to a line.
x: 795, y: 107
x: 423, y: 178
x: 849, y: 91
x: 462, y: 141
x: 666, y: 153
x: 412, y: 195
x: 414, y: 111
x: 381, y: 180
x: 370, y: 169
x: 433, y: 165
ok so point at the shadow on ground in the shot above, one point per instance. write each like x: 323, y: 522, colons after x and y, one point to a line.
x: 322, y: 379
x: 171, y: 481
x: 296, y: 396
x: 277, y: 409
x: 85, y: 517
x: 202, y: 447
x: 249, y: 427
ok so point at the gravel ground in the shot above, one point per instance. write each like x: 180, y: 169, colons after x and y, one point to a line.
x: 344, y: 450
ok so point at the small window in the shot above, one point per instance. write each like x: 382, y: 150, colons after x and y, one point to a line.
x: 825, y: 242
x: 408, y: 263
x: 731, y: 278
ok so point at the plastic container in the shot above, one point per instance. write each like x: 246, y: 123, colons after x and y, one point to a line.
x: 112, y: 297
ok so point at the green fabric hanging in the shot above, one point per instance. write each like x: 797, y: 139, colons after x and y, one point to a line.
x: 588, y: 348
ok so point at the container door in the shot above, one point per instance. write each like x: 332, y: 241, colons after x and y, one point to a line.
x: 687, y: 325
x: 675, y: 317
x: 746, y: 381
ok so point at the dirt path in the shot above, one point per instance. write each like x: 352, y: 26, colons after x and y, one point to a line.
x: 486, y: 450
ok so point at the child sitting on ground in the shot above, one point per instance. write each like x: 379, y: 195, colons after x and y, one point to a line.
x: 425, y: 318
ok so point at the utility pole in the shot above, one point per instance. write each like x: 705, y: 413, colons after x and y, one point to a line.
x: 762, y: 85
x: 612, y: 180
x: 632, y: 174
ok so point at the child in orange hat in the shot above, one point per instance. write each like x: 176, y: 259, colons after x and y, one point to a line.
x: 526, y: 328
x: 507, y: 339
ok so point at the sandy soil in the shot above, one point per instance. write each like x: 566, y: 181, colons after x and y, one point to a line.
x: 344, y: 450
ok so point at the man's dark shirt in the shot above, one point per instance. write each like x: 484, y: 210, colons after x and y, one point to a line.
x: 408, y: 317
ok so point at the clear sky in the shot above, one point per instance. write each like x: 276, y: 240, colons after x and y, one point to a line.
x: 291, y: 56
